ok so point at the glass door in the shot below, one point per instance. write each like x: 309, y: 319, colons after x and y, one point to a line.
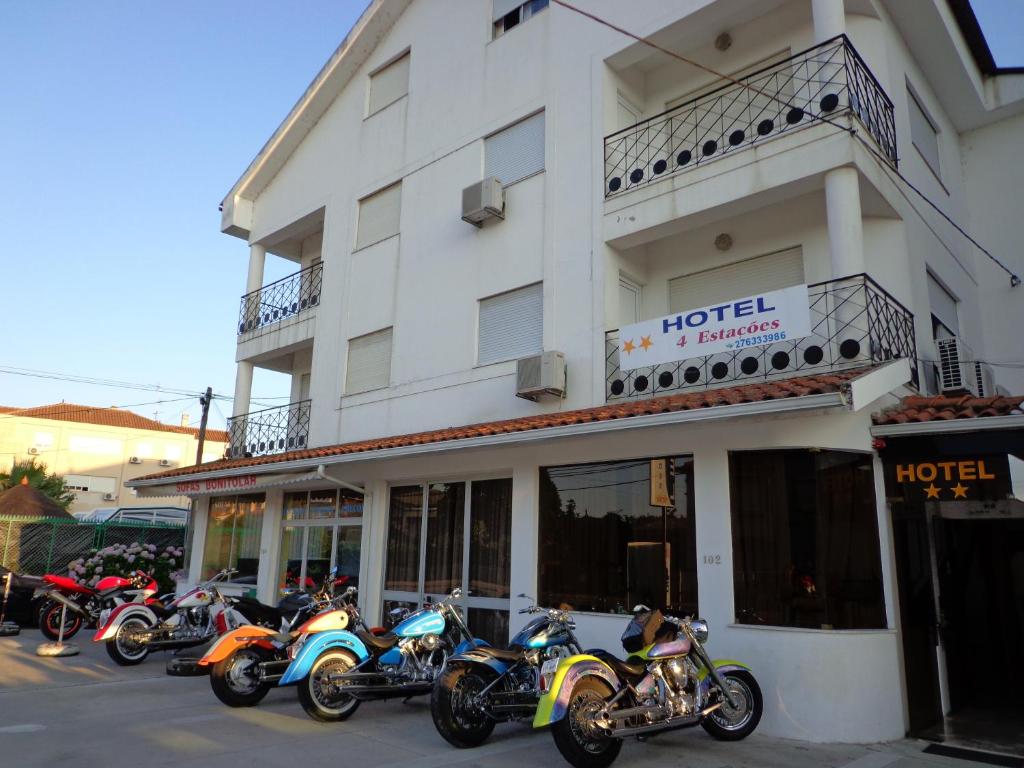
x: 452, y: 534
x: 320, y: 530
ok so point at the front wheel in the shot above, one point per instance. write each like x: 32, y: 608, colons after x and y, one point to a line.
x: 236, y: 680
x: 126, y: 647
x: 456, y: 715
x: 50, y: 618
x: 728, y: 723
x: 580, y: 741
x: 322, y: 699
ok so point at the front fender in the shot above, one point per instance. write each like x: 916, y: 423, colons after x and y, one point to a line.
x: 119, y: 615
x: 721, y: 665
x: 553, y: 704
x: 317, y: 644
x: 228, y: 643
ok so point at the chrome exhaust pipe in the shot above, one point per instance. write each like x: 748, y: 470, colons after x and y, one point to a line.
x: 67, y: 602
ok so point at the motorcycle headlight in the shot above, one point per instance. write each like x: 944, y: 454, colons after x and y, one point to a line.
x: 700, y: 630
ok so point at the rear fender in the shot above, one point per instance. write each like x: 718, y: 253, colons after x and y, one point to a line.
x: 317, y: 644
x: 473, y: 658
x: 121, y: 614
x: 235, y: 639
x: 555, y: 701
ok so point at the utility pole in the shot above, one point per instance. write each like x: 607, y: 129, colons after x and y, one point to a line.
x: 204, y: 400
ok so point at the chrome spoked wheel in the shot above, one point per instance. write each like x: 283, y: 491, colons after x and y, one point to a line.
x: 466, y: 711
x: 243, y: 673
x: 322, y: 698
x: 732, y: 723
x: 578, y: 737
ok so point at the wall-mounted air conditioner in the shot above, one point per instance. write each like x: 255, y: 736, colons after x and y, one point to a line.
x: 109, y: 497
x: 165, y: 462
x: 134, y: 460
x: 986, y: 384
x: 482, y: 201
x: 957, y: 373
x: 33, y: 451
x: 540, y: 376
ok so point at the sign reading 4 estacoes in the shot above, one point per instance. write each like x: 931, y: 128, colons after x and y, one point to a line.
x: 754, y: 321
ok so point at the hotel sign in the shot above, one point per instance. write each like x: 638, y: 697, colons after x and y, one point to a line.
x: 952, y: 480
x: 731, y: 326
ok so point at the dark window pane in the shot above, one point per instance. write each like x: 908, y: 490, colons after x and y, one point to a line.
x: 604, y: 547
x: 805, y: 540
x: 318, y: 556
x: 347, y: 555
x: 290, y: 568
x: 404, y: 525
x: 490, y: 625
x: 446, y: 512
x: 233, y: 533
x: 490, y: 538
x: 351, y: 505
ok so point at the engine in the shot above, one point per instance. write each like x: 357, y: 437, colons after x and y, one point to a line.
x: 680, y: 676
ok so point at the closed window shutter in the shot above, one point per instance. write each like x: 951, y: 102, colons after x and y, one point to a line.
x: 517, y: 151
x: 369, y: 362
x: 923, y: 133
x: 379, y: 216
x: 735, y: 281
x: 512, y: 325
x: 943, y: 305
x: 389, y: 84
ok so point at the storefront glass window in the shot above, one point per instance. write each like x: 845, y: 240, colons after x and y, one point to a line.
x: 313, y: 542
x: 295, y: 505
x: 233, y: 536
x: 322, y: 504
x: 490, y: 539
x: 404, y: 525
x: 290, y: 571
x: 445, y: 514
x: 605, y: 548
x: 351, y: 505
x: 805, y: 540
x: 347, y: 555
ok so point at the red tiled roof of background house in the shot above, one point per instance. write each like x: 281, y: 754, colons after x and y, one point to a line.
x: 108, y: 417
x: 744, y: 393
x: 918, y: 408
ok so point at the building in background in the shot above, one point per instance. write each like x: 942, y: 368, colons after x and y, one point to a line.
x: 97, y: 450
x: 575, y: 319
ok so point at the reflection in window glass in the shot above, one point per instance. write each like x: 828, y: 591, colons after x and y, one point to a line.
x: 318, y: 556
x: 347, y: 556
x: 295, y: 505
x: 604, y: 548
x: 489, y: 625
x: 393, y: 610
x: 351, y: 505
x: 290, y: 568
x: 805, y: 540
x: 490, y: 538
x: 233, y: 536
x: 404, y: 524
x: 322, y: 504
x: 445, y: 518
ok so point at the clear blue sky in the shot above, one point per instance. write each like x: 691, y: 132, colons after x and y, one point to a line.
x: 124, y: 124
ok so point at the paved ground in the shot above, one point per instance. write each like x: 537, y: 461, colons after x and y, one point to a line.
x: 86, y: 712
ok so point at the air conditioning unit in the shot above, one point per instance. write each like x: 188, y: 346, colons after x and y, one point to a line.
x: 986, y: 384
x: 957, y: 372
x: 134, y: 460
x: 165, y: 462
x: 109, y: 497
x: 541, y: 375
x: 482, y: 201
x: 33, y: 451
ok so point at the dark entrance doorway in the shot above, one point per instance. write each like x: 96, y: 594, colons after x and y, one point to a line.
x: 960, y: 572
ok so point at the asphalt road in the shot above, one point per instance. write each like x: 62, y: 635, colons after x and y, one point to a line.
x: 86, y: 712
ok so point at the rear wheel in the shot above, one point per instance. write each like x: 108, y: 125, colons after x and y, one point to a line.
x: 319, y: 696
x: 50, y: 617
x: 126, y: 647
x: 577, y: 737
x: 456, y: 715
x: 236, y: 679
x: 728, y: 723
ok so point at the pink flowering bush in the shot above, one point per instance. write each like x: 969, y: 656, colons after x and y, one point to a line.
x: 125, y: 559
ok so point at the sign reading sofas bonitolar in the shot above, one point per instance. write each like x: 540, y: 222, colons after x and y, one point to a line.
x: 729, y: 326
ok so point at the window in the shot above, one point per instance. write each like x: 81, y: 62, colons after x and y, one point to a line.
x: 603, y: 546
x: 512, y: 13
x: 923, y: 132
x: 805, y: 540
x: 511, y: 325
x: 629, y: 301
x: 321, y: 530
x: 734, y: 281
x: 233, y: 536
x: 369, y: 362
x: 516, y: 152
x: 379, y: 216
x: 388, y: 84
x: 945, y: 322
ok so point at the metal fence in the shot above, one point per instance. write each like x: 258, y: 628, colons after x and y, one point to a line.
x: 281, y: 299
x: 39, y: 545
x: 272, y: 430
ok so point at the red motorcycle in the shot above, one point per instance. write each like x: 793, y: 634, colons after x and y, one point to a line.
x: 81, y: 605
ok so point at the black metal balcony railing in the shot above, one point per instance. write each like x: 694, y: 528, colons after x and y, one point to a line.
x: 283, y: 298
x: 854, y: 322
x: 822, y: 82
x: 272, y: 430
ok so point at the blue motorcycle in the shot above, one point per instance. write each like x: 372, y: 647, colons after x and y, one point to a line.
x: 483, y: 686
x: 337, y: 670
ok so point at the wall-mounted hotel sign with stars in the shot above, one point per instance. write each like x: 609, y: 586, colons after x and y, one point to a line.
x: 955, y: 480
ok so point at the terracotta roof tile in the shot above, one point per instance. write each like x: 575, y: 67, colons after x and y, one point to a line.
x: 921, y: 409
x: 745, y: 393
x: 108, y: 417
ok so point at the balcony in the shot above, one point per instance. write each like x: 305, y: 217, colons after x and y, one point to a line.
x: 273, y: 430
x: 854, y: 322
x: 813, y: 87
x: 288, y: 297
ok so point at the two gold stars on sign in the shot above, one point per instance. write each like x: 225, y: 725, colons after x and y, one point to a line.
x: 645, y: 344
x: 959, y: 491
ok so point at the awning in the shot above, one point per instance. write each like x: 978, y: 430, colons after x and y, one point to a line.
x: 225, y: 485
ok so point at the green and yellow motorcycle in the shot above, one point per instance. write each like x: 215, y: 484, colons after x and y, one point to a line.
x: 593, y: 701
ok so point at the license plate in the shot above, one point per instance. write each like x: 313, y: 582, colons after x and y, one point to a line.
x: 549, y: 667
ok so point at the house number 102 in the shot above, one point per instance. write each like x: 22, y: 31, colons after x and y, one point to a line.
x: 712, y: 559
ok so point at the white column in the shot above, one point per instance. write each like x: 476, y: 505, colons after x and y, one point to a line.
x: 200, y: 515
x: 524, y: 545
x: 270, y: 548
x: 257, y: 258
x: 829, y: 19
x: 845, y: 225
x: 714, y: 535
x: 243, y: 388
x: 373, y: 551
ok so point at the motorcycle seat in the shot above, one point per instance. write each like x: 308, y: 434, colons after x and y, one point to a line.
x: 631, y: 669
x: 501, y: 654
x: 378, y: 642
